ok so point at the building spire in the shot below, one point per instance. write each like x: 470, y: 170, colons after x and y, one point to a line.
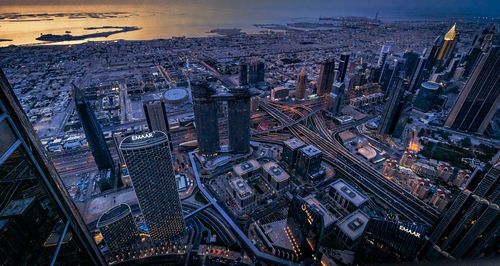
x: 451, y: 34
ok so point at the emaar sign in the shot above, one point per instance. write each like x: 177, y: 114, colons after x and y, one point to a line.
x: 142, y: 136
x: 409, y: 231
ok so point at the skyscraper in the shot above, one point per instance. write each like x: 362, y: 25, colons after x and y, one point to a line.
x: 393, y: 107
x: 118, y: 228
x: 411, y: 60
x: 308, y: 162
x: 153, y: 178
x: 290, y: 151
x: 156, y: 117
x: 481, y: 43
x: 336, y: 98
x: 300, y: 90
x: 384, y: 52
x: 419, y: 74
x: 390, y: 72
x: 304, y: 227
x: 256, y: 71
x: 36, y: 212
x: 445, y: 52
x: 479, y: 99
x: 326, y: 76
x: 243, y: 73
x: 239, y: 120
x: 343, y: 63
x: 205, y: 116
x: 93, y: 133
x: 431, y: 58
x: 469, y: 227
x: 389, y: 241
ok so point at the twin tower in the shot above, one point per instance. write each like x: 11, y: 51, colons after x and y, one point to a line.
x: 206, y: 104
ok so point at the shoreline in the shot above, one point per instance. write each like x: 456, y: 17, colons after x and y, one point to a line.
x: 252, y: 29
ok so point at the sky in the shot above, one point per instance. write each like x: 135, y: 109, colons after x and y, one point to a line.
x: 493, y: 4
x: 434, y: 7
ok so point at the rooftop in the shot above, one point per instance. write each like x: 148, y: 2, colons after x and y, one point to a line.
x: 349, y: 192
x: 276, y: 171
x: 353, y: 225
x: 142, y: 140
x: 294, y: 143
x: 245, y: 167
x: 113, y: 215
x: 241, y: 187
x: 310, y: 150
x: 430, y: 85
x: 328, y: 217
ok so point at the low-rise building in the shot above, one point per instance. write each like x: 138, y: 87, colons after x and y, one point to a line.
x: 247, y: 169
x: 276, y: 176
x: 243, y: 194
x: 346, y: 196
x: 351, y: 228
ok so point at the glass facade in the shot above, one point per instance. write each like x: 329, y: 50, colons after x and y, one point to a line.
x: 304, y: 228
x: 38, y: 225
x: 153, y: 178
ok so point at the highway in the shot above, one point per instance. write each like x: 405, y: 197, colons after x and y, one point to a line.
x: 348, y: 164
x: 242, y: 237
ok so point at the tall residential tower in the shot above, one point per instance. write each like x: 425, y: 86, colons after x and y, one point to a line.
x: 479, y: 99
x: 153, y: 178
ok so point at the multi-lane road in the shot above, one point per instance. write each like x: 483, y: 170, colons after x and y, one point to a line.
x: 348, y: 164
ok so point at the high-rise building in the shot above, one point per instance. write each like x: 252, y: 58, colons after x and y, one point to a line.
x: 290, y: 150
x: 117, y: 139
x: 393, y: 108
x: 300, y: 90
x: 239, y: 120
x: 36, y: 212
x: 256, y: 71
x: 431, y: 59
x: 384, y: 52
x: 153, y: 178
x: 419, y: 74
x: 93, y: 134
x: 445, y: 52
x: 304, y: 227
x: 343, y: 63
x: 479, y: 99
x: 157, y: 119
x: 391, y: 71
x: 481, y: 43
x: 335, y: 99
x: 156, y: 116
x: 309, y: 162
x: 326, y: 76
x: 346, y: 197
x: 205, y: 115
x: 390, y: 241
x: 469, y: 228
x: 243, y: 73
x: 411, y: 60
x: 118, y: 228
